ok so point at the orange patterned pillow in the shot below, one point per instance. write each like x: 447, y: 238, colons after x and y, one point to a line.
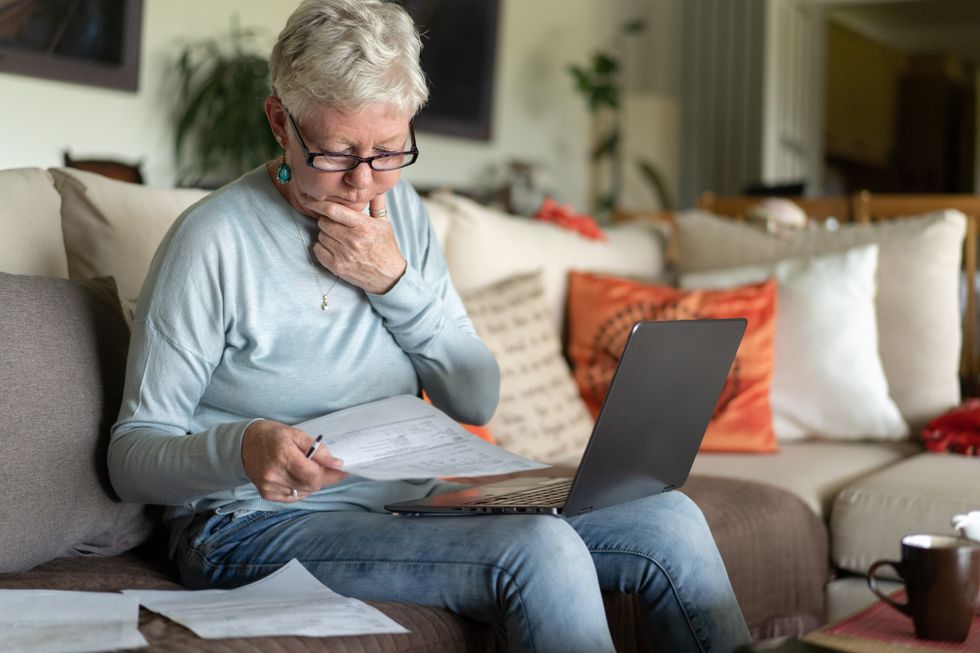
x: 601, y: 311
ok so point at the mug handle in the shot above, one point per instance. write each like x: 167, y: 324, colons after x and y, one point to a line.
x: 873, y: 584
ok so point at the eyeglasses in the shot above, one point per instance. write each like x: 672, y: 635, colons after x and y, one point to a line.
x: 337, y: 162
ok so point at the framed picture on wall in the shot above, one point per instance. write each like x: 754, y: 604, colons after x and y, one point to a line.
x: 83, y: 41
x: 459, y: 48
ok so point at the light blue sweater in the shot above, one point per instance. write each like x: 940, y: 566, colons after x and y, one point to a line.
x: 229, y: 329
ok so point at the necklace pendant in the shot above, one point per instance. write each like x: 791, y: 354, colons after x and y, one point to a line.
x: 324, y: 305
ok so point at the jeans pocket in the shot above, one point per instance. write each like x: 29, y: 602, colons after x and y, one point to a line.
x: 219, y: 529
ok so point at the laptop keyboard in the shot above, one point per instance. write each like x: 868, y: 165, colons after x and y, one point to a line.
x: 554, y: 494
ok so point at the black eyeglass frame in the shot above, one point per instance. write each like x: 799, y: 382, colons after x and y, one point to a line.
x: 358, y: 160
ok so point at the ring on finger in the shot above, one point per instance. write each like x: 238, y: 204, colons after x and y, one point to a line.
x: 294, y: 493
x: 383, y: 213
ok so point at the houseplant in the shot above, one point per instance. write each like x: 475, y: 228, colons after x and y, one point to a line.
x: 220, y: 127
x: 600, y: 84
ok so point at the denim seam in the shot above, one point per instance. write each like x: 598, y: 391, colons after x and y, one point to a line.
x: 501, y: 570
x: 663, y: 567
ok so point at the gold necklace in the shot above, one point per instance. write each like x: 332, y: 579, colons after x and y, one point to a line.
x: 324, y: 305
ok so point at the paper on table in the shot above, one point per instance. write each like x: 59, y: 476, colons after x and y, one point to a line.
x: 404, y: 437
x: 51, y: 621
x: 290, y: 601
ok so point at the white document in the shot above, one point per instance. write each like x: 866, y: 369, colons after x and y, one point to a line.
x: 49, y: 621
x: 403, y: 437
x: 290, y: 601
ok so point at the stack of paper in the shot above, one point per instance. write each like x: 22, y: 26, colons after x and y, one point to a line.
x: 48, y: 621
x: 403, y: 437
x: 290, y: 601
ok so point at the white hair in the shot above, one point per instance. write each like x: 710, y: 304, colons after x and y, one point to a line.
x: 347, y: 55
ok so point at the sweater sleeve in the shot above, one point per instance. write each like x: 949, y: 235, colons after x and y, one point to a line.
x: 425, y: 315
x: 153, y: 456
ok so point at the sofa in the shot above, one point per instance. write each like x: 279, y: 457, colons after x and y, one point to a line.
x: 796, y: 525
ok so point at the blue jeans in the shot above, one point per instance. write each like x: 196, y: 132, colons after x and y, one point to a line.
x: 540, y: 576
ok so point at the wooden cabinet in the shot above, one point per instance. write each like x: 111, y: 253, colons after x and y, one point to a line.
x: 863, y: 79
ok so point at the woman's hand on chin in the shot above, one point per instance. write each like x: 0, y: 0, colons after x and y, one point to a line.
x: 274, y: 457
x: 359, y: 249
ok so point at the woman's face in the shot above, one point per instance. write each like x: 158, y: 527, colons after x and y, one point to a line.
x: 378, y: 129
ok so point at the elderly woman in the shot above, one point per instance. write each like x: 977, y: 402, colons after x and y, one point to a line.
x: 315, y: 283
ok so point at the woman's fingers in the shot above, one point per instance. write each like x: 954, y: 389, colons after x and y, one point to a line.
x: 360, y: 250
x: 274, y: 459
x: 378, y: 207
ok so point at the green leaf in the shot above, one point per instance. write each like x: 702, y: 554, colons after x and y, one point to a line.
x: 604, y: 64
x: 634, y: 26
x: 583, y: 82
x: 606, y: 203
x: 656, y: 181
x: 220, y: 126
x: 605, y: 95
x: 608, y: 146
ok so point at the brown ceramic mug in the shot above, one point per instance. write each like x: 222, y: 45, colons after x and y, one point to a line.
x: 942, y: 581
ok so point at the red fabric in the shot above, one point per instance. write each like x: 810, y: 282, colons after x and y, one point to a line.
x: 564, y: 216
x: 957, y: 431
x: 883, y: 623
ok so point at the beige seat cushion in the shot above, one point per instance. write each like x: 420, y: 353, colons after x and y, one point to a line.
x: 918, y: 312
x: 113, y: 228
x: 485, y: 245
x: 918, y: 495
x: 814, y: 471
x: 30, y: 221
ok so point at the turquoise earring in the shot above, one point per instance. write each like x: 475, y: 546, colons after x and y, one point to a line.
x: 284, y: 173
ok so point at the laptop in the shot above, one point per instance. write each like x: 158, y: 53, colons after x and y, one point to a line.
x: 662, y: 395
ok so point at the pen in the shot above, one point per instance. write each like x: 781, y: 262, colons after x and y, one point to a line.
x: 316, y: 445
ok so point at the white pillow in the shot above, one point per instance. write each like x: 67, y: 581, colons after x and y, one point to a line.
x: 827, y: 376
x: 113, y: 228
x: 485, y: 245
x: 541, y: 414
x: 917, y: 303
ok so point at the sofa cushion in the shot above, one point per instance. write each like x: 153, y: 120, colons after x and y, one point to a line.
x: 827, y: 375
x: 814, y: 471
x: 112, y: 228
x: 485, y: 245
x: 918, y: 495
x: 775, y: 551
x: 540, y: 414
x: 440, y: 217
x: 62, y: 364
x: 601, y: 314
x: 30, y: 221
x: 918, y: 291
x: 431, y: 629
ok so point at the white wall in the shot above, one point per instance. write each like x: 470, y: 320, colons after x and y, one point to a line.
x: 537, y: 115
x: 39, y: 118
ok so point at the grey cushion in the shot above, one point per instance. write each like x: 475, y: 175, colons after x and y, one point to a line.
x: 62, y: 360
x: 814, y: 471
x: 917, y: 495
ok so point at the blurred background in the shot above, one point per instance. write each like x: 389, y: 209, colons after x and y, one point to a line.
x: 641, y: 103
